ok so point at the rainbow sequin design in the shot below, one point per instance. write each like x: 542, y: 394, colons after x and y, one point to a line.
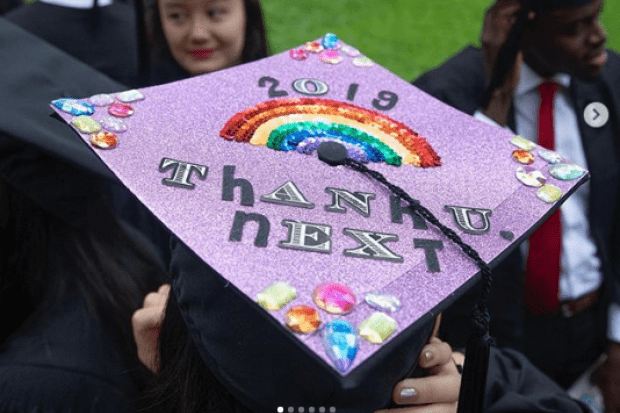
x: 303, y: 123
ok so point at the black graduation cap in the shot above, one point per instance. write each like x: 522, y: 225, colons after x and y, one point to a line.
x: 38, y: 156
x: 311, y: 283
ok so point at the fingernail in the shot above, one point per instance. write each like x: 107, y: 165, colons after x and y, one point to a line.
x: 428, y: 355
x: 409, y: 393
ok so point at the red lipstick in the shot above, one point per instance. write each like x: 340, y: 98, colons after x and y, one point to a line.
x: 201, y: 54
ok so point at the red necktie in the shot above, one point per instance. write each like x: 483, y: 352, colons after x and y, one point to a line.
x: 542, y: 274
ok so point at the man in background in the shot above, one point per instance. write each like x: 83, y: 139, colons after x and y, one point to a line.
x: 544, y: 72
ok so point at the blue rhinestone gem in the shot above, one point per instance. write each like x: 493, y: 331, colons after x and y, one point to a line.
x: 330, y: 41
x: 75, y: 107
x: 340, y: 342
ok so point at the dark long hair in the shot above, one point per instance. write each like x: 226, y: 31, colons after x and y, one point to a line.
x: 184, y: 383
x: 44, y: 260
x: 162, y: 66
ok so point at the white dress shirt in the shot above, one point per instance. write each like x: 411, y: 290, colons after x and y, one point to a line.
x: 580, y: 266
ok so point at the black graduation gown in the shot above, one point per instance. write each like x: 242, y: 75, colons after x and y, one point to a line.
x: 105, y: 38
x: 514, y: 385
x: 459, y: 82
x: 65, y: 359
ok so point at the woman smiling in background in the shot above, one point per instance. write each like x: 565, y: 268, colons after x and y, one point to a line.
x: 193, y: 37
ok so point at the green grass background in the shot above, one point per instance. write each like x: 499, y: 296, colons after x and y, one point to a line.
x: 407, y: 37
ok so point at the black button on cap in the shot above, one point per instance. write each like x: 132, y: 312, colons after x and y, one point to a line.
x: 332, y: 153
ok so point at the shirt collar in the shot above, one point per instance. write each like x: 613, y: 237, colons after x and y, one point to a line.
x: 529, y: 80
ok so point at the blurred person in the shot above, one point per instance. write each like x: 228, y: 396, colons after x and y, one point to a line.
x: 101, y: 33
x: 541, y: 65
x: 66, y: 291
x: 193, y: 37
x: 72, y: 270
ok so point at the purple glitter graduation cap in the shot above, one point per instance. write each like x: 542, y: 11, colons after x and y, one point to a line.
x: 330, y: 261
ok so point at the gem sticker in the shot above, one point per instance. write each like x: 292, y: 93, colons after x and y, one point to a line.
x: 350, y: 51
x: 104, y: 140
x: 75, y: 107
x: 299, y: 54
x: 334, y: 298
x: 377, y: 328
x: 550, y: 156
x: 303, y: 319
x: 383, y: 301
x: 86, y: 124
x: 276, y: 296
x: 102, y: 99
x: 331, y: 57
x: 330, y: 41
x: 314, y: 47
x: 549, y: 193
x: 522, y: 143
x: 530, y: 177
x: 566, y: 171
x: 120, y: 110
x: 363, y: 61
x: 340, y: 343
x: 130, y: 96
x: 113, y: 124
x: 523, y: 156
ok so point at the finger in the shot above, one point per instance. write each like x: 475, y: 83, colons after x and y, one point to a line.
x: 435, y: 408
x: 156, y: 299
x: 164, y: 289
x: 430, y: 389
x: 458, y: 357
x: 146, y: 319
x: 435, y: 354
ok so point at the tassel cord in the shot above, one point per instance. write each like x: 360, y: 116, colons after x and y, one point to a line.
x: 480, y: 314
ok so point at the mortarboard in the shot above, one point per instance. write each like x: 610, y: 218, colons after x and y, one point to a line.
x: 304, y: 283
x: 39, y: 155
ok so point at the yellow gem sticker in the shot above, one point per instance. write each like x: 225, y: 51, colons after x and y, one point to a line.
x: 377, y: 328
x: 276, y: 296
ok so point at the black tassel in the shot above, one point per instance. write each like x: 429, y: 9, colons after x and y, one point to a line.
x: 474, y: 379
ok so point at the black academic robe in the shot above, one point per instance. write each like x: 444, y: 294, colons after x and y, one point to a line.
x: 459, y: 82
x: 514, y: 385
x: 37, y: 74
x: 105, y: 38
x: 65, y: 359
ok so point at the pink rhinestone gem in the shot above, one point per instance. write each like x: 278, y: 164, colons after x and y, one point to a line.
x: 334, y: 298
x: 299, y: 54
x: 120, y: 110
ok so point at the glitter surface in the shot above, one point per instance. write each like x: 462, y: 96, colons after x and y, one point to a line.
x: 177, y: 122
